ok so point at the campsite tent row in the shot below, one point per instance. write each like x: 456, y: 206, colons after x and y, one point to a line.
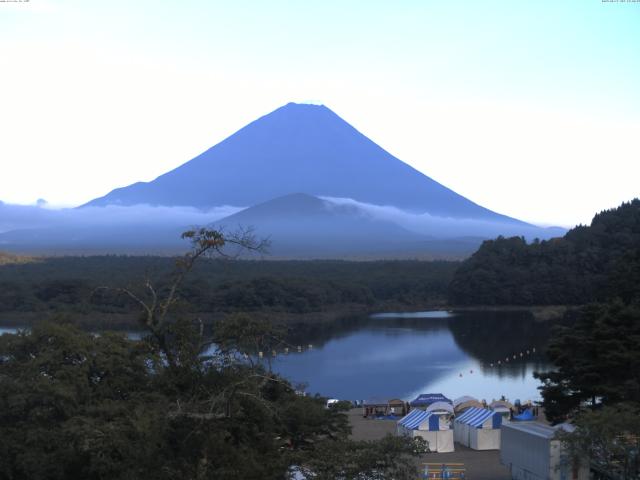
x: 432, y: 427
x: 478, y: 428
x: 382, y: 406
x: 429, y: 400
x: 460, y: 404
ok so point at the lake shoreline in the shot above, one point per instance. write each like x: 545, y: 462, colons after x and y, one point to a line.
x: 481, y: 353
x: 539, y: 312
x: 124, y: 321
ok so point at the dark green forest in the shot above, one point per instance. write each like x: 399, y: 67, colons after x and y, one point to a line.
x: 75, y: 405
x: 71, y: 285
x: 78, y: 405
x: 595, y: 347
x: 591, y: 263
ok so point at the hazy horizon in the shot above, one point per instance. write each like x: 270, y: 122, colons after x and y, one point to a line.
x: 530, y: 110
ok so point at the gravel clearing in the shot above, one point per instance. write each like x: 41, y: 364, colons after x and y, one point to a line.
x: 480, y: 465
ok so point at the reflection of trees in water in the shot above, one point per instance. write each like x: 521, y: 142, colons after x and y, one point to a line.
x: 484, y: 336
x: 520, y: 369
x: 490, y: 337
x: 320, y: 333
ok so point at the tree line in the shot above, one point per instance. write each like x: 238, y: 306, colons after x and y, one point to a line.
x: 72, y: 284
x: 78, y: 405
x: 595, y: 348
x: 591, y: 263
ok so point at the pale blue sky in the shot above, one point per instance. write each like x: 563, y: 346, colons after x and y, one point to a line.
x: 529, y: 108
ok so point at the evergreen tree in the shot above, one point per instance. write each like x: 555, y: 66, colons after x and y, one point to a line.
x: 597, y: 361
x: 172, y: 405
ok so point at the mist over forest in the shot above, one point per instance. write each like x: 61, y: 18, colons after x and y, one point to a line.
x: 333, y: 227
x: 300, y: 176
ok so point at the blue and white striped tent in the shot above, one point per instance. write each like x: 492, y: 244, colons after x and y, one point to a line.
x: 478, y: 428
x: 477, y: 417
x: 420, y: 420
x: 432, y: 427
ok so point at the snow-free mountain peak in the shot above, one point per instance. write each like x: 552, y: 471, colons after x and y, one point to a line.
x: 298, y: 148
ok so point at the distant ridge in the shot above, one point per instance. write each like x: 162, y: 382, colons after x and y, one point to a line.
x: 287, y: 206
x: 303, y: 226
x: 298, y: 148
x: 299, y: 226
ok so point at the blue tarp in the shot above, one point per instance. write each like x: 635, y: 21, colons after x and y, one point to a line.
x: 386, y: 417
x: 525, y: 416
x: 426, y: 399
x: 475, y: 417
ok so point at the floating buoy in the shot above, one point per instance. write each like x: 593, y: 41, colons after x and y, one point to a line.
x: 534, y: 349
x: 286, y: 350
x: 460, y: 375
x: 310, y: 346
x: 521, y: 354
x: 499, y: 362
x: 506, y: 359
x: 491, y: 364
x: 470, y: 371
x: 527, y: 352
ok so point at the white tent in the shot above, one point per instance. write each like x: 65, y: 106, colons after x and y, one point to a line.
x: 463, y: 399
x: 478, y: 428
x: 465, y: 402
x: 430, y: 426
x: 440, y: 407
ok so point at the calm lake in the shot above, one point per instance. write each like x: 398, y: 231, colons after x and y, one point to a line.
x: 404, y: 354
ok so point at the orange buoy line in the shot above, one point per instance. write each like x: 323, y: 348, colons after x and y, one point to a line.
x: 514, y: 356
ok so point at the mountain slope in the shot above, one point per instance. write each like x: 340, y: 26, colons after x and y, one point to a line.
x: 298, y: 148
x: 299, y: 226
x: 304, y: 226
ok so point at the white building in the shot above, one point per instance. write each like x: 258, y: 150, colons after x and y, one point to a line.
x: 532, y: 452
